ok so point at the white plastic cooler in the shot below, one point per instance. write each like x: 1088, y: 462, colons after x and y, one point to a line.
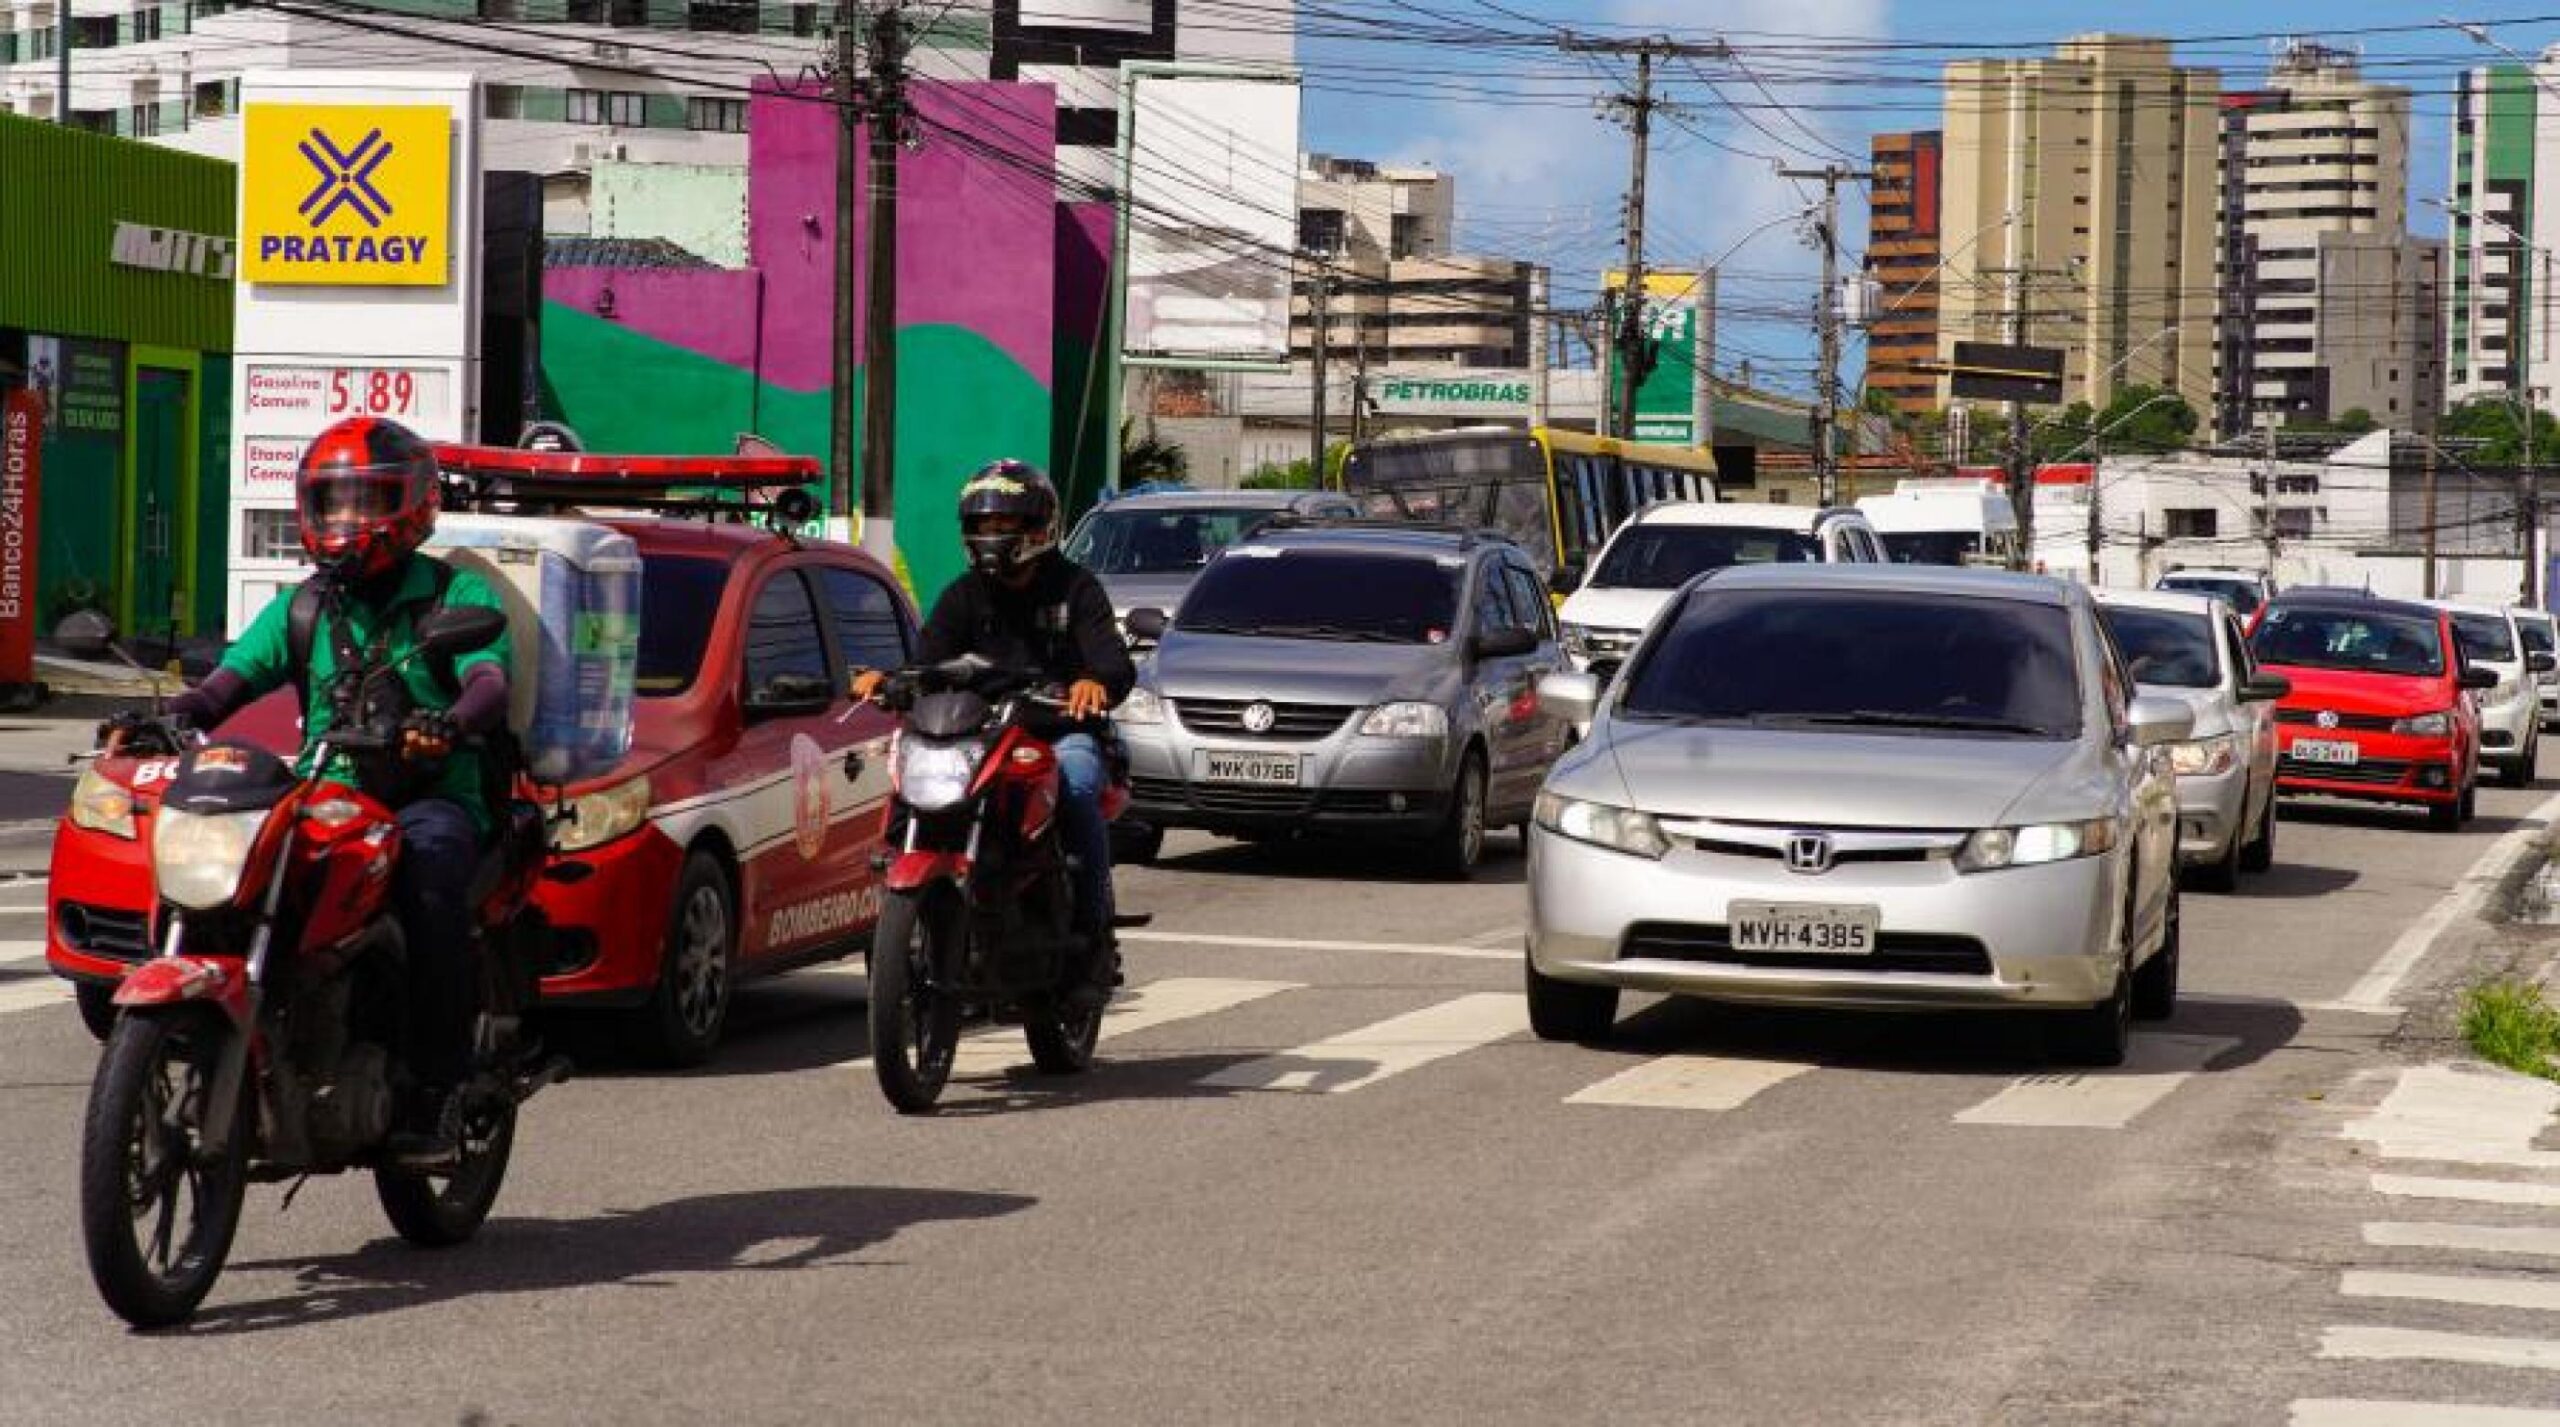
x: 572, y: 594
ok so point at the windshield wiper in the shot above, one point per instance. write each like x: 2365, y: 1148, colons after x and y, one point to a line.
x: 1329, y: 631
x: 1887, y: 718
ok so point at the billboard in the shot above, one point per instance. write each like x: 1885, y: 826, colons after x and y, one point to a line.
x: 1666, y: 403
x: 347, y: 195
x: 1211, y: 216
x: 1993, y: 371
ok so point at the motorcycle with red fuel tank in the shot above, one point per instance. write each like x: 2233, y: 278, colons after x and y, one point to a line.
x: 980, y: 918
x: 260, y: 1042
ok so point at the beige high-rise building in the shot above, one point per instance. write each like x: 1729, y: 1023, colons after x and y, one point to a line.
x: 2078, y: 212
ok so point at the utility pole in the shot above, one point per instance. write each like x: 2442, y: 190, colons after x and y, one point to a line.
x: 62, y: 61
x: 1826, y: 395
x: 1359, y: 379
x: 846, y: 93
x: 2270, y: 532
x: 2520, y: 388
x: 1322, y: 322
x: 2097, y: 468
x: 2022, y: 481
x: 888, y: 124
x: 2427, y: 499
x: 1628, y: 330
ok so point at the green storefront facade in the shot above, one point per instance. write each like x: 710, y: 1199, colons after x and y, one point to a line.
x: 115, y: 300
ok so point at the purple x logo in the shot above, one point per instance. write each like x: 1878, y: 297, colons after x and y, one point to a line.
x: 346, y: 178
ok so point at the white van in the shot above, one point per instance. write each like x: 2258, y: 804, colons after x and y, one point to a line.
x: 1662, y: 546
x: 1945, y: 521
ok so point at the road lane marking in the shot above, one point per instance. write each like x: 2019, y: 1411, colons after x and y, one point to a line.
x: 1355, y: 1059
x: 2467, y: 1238
x: 1274, y: 943
x: 1689, y: 1082
x: 20, y: 953
x: 2209, y: 998
x: 2374, y: 990
x: 2470, y: 1289
x: 1511, y: 937
x: 1158, y: 1003
x: 33, y: 994
x: 2476, y: 1191
x: 2372, y: 1344
x: 2101, y: 1099
x: 2462, y: 1116
x: 2367, y: 1412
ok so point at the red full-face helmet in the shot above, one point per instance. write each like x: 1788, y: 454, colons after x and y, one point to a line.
x: 367, y: 494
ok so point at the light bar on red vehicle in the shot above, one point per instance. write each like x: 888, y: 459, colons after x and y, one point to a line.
x: 602, y: 473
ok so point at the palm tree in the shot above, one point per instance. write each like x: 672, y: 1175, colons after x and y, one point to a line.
x: 1149, y: 457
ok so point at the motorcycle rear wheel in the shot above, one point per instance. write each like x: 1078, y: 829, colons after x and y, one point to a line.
x: 437, y: 1211
x: 915, y: 1030
x: 140, y: 1169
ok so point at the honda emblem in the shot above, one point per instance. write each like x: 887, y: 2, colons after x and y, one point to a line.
x: 1809, y: 853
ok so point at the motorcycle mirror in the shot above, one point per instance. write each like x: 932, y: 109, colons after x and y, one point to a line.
x: 460, y: 629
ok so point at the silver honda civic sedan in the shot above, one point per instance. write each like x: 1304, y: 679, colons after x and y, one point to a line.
x: 1887, y: 786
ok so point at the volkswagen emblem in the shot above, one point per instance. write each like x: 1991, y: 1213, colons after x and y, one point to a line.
x: 1258, y: 717
x: 2328, y: 718
x: 1809, y: 853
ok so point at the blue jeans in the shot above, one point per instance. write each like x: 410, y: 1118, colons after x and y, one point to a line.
x: 439, y: 850
x: 1083, y: 775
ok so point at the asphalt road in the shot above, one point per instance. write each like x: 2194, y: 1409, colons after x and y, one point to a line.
x: 1325, y: 1175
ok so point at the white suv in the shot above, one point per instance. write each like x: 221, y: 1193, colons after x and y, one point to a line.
x: 1664, y: 546
x: 2511, y: 713
x: 2246, y: 591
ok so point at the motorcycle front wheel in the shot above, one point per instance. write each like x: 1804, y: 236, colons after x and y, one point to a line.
x: 157, y: 1213
x: 436, y: 1211
x: 915, y: 1029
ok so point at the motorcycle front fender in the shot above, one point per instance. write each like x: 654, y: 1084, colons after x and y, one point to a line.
x: 914, y: 871
x: 176, y: 980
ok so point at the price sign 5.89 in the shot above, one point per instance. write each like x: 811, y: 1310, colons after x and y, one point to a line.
x: 354, y: 391
x: 283, y: 400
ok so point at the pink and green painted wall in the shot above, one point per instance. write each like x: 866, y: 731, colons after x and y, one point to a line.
x: 1001, y: 291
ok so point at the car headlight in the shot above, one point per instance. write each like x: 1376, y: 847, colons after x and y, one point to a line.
x: 1142, y: 708
x: 1996, y: 847
x: 100, y: 805
x: 2204, y: 757
x: 933, y: 776
x: 1601, y: 825
x: 2426, y: 725
x: 594, y: 819
x: 1406, y: 720
x: 197, y: 858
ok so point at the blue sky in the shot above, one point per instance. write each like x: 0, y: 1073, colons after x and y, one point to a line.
x: 1540, y: 175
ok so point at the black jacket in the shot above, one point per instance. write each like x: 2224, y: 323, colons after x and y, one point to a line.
x: 1059, y: 626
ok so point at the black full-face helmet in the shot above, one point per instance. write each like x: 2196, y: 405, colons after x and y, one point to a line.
x: 1008, y: 516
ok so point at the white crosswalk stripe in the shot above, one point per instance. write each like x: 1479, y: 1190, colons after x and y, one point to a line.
x: 2466, y: 1238
x: 2365, y: 1412
x: 15, y: 955
x: 2373, y: 1344
x: 2469, y: 1289
x: 1158, y: 1003
x: 1357, y: 1059
x: 2477, y: 1191
x: 2463, y: 1115
x: 33, y: 993
x: 2101, y: 1100
x: 1689, y: 1082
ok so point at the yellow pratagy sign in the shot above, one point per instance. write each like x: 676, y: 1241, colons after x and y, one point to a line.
x: 347, y: 195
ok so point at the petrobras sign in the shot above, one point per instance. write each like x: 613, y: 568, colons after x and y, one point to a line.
x: 1486, y: 393
x: 347, y: 195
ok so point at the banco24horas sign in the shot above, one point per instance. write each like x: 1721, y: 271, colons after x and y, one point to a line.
x: 347, y: 195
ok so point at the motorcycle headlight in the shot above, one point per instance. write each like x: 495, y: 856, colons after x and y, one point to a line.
x: 934, y: 776
x: 1601, y: 825
x: 1996, y: 847
x: 2205, y: 757
x: 100, y: 805
x: 1142, y: 707
x: 2426, y: 725
x: 594, y: 819
x: 1406, y: 721
x: 197, y: 858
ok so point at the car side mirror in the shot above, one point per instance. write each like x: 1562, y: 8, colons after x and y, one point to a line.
x: 2542, y: 663
x: 1568, y: 696
x: 1146, y: 624
x: 2265, y: 688
x: 1505, y: 643
x: 2158, y: 721
x: 461, y: 628
x: 790, y: 696
x: 2474, y: 677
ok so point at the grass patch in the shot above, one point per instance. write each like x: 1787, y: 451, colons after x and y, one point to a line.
x: 2510, y: 1024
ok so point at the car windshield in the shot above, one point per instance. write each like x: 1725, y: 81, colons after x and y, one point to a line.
x: 2240, y: 594
x: 2361, y: 641
x: 2485, y: 638
x: 1278, y: 593
x: 679, y: 598
x: 1886, y: 662
x: 1160, y: 541
x: 1664, y: 557
x: 2165, y: 647
x: 1930, y: 547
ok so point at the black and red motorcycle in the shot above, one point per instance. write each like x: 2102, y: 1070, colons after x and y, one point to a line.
x: 980, y: 919
x: 261, y: 1042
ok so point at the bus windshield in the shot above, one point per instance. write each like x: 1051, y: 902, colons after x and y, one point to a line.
x: 1492, y: 481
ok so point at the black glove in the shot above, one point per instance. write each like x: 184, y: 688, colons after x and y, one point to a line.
x: 427, y: 735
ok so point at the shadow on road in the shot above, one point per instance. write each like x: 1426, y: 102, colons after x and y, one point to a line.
x: 2284, y: 882
x: 2384, y: 817
x: 764, y: 1231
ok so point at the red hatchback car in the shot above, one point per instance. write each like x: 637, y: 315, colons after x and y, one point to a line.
x: 736, y: 839
x: 2381, y: 708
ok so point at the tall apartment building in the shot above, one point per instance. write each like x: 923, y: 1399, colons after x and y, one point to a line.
x: 2493, y: 217
x: 2078, y: 203
x: 1903, y: 253
x: 1395, y: 290
x: 2327, y: 304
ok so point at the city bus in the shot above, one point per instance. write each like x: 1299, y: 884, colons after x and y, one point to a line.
x: 1560, y: 494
